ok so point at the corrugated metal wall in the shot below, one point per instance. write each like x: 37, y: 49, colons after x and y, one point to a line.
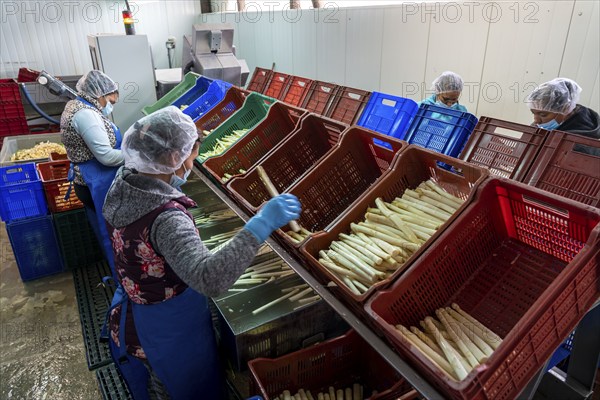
x: 501, y: 49
x: 52, y: 35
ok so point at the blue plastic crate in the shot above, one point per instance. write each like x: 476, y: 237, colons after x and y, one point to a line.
x: 215, y: 93
x: 21, y: 192
x: 441, y: 129
x: 199, y: 88
x: 35, y: 247
x: 387, y: 114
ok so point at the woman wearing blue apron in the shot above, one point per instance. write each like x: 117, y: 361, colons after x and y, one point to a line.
x: 93, y: 145
x: 160, y: 324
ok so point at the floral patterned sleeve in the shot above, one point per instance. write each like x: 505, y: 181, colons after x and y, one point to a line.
x: 175, y: 237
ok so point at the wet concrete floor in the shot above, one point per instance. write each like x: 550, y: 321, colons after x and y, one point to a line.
x: 42, y: 355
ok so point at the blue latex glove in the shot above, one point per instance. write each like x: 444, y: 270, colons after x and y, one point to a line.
x: 276, y: 213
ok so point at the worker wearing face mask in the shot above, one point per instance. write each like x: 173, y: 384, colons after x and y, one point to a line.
x: 448, y: 87
x: 93, y: 145
x: 554, y: 106
x: 160, y: 326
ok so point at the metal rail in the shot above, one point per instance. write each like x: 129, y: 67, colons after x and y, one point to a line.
x: 364, y: 331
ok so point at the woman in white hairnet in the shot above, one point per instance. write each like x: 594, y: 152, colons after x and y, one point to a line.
x: 554, y: 106
x: 160, y: 325
x: 93, y: 145
x: 448, y: 88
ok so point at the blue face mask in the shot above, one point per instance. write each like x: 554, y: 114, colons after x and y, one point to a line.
x: 453, y: 106
x: 550, y: 125
x: 107, y: 109
x: 177, y: 181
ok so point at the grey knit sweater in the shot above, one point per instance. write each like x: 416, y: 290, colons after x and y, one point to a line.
x: 174, y: 236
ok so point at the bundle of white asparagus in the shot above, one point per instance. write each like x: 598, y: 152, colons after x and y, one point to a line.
x: 217, y: 241
x: 390, y: 234
x: 227, y: 177
x: 353, y: 393
x: 456, y: 343
x: 301, y: 294
x: 266, y: 271
x: 215, y: 216
x: 300, y: 236
x: 223, y: 144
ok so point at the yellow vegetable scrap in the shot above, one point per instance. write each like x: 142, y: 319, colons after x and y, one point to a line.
x: 40, y: 150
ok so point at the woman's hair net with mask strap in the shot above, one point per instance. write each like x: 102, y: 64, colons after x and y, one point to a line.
x: 447, y: 82
x: 160, y: 142
x: 559, y: 96
x: 96, y: 84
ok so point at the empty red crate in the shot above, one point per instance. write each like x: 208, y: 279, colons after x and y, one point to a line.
x: 506, y: 149
x: 347, y: 104
x: 11, y: 110
x: 568, y: 165
x: 524, y: 262
x: 411, y: 167
x: 233, y: 101
x: 9, y: 91
x: 319, y: 97
x: 297, y: 90
x: 260, y: 79
x: 338, y: 362
x: 342, y: 177
x: 27, y: 75
x: 280, y: 121
x: 277, y: 85
x: 54, y: 179
x: 298, y: 153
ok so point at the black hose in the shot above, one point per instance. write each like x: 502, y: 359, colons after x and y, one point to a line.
x: 35, y: 106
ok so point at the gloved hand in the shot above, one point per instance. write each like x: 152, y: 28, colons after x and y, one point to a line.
x: 276, y: 213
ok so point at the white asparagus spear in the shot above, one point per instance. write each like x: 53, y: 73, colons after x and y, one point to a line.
x: 390, y: 249
x: 332, y: 393
x: 458, y: 329
x: 348, y: 264
x: 302, y: 394
x: 357, y: 261
x: 426, y: 192
x: 459, y: 371
x: 320, y: 396
x: 309, y: 395
x: 438, y: 360
x: 459, y: 342
x: 272, y: 190
x: 339, y: 394
x: 396, y: 220
x: 272, y: 303
x: 307, y: 300
x: 292, y: 288
x: 470, y: 330
x: 360, y: 286
x: 427, y: 340
x: 424, y: 200
x: 490, y: 337
x: 383, y: 233
x: 301, y: 294
x: 356, y: 392
x: 364, y: 250
x: 441, y: 215
x: 442, y: 192
x: 421, y: 220
x: 398, y: 202
x: 350, y: 285
x: 368, y: 245
x: 403, y: 242
x: 348, y: 393
x: 353, y: 251
x: 339, y: 271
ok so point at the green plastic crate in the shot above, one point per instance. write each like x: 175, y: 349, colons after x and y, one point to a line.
x: 189, y: 80
x: 255, y: 109
x: 78, y: 244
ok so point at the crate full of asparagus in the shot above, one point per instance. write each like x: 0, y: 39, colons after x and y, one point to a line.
x: 482, y: 310
x: 378, y: 238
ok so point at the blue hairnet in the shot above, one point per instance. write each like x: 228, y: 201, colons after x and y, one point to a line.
x: 447, y: 82
x: 160, y: 142
x: 96, y: 84
x: 560, y: 95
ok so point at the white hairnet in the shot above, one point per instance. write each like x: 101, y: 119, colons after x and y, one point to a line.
x: 160, y: 142
x: 447, y: 82
x: 559, y: 96
x: 96, y: 84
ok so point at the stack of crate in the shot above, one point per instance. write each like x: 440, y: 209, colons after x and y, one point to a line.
x: 12, y: 115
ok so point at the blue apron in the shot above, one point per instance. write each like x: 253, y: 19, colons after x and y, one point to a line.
x: 179, y: 343
x: 98, y: 178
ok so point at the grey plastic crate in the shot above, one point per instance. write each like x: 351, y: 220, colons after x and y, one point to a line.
x: 13, y: 143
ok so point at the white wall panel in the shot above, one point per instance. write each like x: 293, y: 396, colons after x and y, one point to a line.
x: 364, y: 32
x: 304, y: 43
x: 581, y: 61
x: 331, y: 45
x: 404, y: 53
x: 281, y: 44
x: 524, y: 49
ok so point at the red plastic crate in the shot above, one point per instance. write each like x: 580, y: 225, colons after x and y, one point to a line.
x: 11, y: 110
x: 413, y: 166
x: 297, y: 90
x: 9, y: 91
x: 319, y: 97
x: 568, y: 165
x: 348, y: 104
x: 524, y: 262
x: 27, y: 75
x: 506, y: 149
x: 13, y: 127
x: 277, y: 85
x: 54, y: 179
x: 289, y: 161
x: 260, y: 79
x: 338, y: 362
x: 58, y: 157
x: 281, y: 120
x: 342, y: 177
x: 233, y: 101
